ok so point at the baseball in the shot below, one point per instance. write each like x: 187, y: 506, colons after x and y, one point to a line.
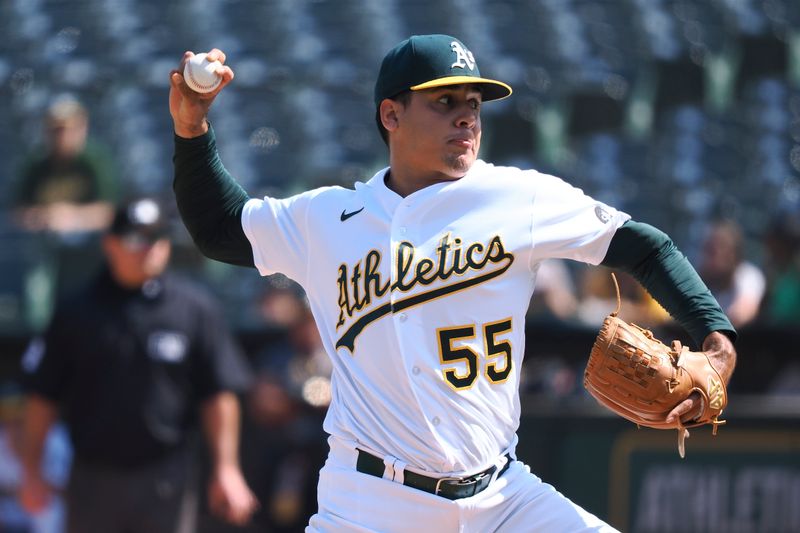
x: 200, y: 74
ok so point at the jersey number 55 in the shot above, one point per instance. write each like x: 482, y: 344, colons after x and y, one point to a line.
x: 496, y: 352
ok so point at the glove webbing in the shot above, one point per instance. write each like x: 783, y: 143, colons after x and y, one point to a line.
x: 677, y: 349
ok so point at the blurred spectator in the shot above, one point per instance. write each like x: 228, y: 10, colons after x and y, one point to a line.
x: 287, y: 406
x: 555, y: 297
x: 599, y: 298
x: 57, y: 457
x: 552, y: 375
x: 737, y: 283
x: 133, y: 361
x: 781, y: 305
x: 66, y: 192
x: 68, y: 185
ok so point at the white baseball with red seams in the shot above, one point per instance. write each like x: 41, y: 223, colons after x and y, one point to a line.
x: 201, y: 75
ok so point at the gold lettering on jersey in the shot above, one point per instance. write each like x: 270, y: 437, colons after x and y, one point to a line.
x: 357, y: 292
x: 359, y: 286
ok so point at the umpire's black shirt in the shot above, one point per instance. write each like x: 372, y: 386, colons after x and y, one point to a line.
x: 130, y: 367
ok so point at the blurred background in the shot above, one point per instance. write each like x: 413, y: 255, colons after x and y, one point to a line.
x: 684, y: 113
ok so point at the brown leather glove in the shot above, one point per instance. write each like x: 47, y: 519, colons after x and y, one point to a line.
x: 638, y: 377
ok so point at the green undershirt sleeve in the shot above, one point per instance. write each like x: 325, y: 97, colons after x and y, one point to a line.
x: 210, y: 201
x: 651, y: 257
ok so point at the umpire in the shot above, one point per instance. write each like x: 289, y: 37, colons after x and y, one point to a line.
x: 134, y: 362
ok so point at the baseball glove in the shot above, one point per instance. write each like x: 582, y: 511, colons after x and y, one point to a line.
x: 639, y: 378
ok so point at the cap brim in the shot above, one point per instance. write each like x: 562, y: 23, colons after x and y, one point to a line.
x: 492, y: 89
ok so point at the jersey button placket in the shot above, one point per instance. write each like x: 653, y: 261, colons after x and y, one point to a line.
x: 399, y: 234
x: 402, y: 231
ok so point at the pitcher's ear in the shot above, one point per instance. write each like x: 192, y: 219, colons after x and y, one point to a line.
x: 389, y: 113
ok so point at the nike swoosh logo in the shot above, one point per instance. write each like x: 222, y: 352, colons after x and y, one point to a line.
x: 345, y: 215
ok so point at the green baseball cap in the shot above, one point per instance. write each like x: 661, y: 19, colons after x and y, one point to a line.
x: 425, y: 61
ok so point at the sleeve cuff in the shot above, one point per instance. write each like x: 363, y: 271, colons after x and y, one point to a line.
x: 206, y: 138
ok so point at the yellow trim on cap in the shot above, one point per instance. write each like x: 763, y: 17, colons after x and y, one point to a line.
x: 458, y: 80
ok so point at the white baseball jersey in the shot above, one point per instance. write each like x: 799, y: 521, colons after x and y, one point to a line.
x: 421, y: 300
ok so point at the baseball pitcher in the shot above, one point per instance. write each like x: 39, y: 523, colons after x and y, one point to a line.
x: 419, y: 280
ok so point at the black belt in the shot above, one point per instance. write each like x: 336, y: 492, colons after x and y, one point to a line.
x: 452, y: 488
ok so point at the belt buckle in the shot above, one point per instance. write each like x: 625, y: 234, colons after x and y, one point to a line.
x: 443, y: 479
x: 461, y: 481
